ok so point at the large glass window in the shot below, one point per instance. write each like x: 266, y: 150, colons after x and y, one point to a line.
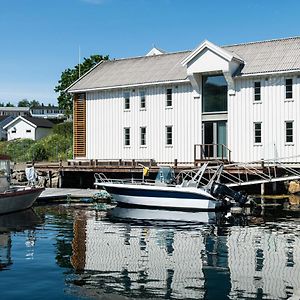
x: 214, y: 93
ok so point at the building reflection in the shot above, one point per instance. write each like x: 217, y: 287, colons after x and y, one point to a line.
x: 187, y: 261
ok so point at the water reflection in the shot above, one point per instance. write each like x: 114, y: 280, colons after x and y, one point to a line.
x: 141, y: 258
x: 10, y: 223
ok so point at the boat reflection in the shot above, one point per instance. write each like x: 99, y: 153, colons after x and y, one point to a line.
x: 162, y: 215
x: 10, y: 223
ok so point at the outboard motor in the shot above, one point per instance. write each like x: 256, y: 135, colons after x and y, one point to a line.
x: 221, y: 191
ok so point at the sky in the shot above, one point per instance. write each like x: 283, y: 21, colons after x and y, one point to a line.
x: 42, y: 38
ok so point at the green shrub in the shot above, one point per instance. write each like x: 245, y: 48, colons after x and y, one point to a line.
x: 53, y: 147
x: 18, y: 149
x: 64, y: 129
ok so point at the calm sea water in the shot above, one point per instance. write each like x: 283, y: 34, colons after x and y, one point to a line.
x: 65, y: 252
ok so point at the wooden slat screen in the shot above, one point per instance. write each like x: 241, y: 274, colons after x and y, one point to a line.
x: 79, y: 125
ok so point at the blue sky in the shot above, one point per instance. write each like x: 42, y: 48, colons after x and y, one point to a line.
x: 41, y: 38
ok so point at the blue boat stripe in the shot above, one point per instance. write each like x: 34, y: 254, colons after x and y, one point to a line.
x: 155, y: 193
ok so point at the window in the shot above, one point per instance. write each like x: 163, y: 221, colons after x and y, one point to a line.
x: 142, y: 100
x: 257, y: 133
x: 28, y: 130
x: 169, y: 98
x: 289, y: 131
x: 214, y: 90
x: 126, y: 100
x: 143, y: 136
x: 289, y: 88
x: 169, y: 135
x: 126, y: 136
x: 257, y: 91
x: 14, y: 130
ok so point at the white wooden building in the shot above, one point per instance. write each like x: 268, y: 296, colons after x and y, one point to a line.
x: 240, y: 101
x: 24, y: 127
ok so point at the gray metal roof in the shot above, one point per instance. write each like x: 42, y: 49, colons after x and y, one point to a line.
x: 259, y: 57
x: 269, y: 56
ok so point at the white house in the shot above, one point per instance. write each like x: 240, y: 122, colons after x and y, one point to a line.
x: 28, y: 128
x: 47, y: 112
x: 240, y: 101
x: 14, y: 111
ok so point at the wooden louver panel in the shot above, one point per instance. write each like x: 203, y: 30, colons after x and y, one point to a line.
x: 79, y: 125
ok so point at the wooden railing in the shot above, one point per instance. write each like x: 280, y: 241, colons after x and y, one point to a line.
x: 205, y: 152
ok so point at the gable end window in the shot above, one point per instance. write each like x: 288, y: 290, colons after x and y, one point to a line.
x: 127, y: 100
x: 127, y: 136
x: 28, y: 130
x: 142, y: 100
x: 257, y: 133
x: 289, y: 88
x: 169, y: 135
x: 257, y: 91
x: 169, y: 98
x: 289, y: 132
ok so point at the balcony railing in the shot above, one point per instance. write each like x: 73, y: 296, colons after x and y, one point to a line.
x: 205, y: 152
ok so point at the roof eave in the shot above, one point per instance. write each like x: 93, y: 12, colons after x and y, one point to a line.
x: 85, y: 74
x: 128, y: 86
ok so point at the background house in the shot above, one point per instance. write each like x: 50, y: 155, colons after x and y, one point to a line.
x: 28, y: 127
x: 14, y: 111
x: 4, y: 120
x: 47, y: 112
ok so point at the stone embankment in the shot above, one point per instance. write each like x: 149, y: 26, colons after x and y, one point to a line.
x: 44, y: 179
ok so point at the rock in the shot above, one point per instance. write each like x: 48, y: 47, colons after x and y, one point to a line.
x: 294, y: 187
x: 294, y: 200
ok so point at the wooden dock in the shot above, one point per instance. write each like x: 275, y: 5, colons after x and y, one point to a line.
x: 66, y: 193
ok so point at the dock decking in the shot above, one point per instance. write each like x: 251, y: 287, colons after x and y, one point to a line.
x: 65, y: 193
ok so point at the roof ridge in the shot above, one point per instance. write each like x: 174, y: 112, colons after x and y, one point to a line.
x: 143, y: 56
x: 263, y: 41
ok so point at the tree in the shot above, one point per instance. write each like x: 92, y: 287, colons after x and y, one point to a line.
x: 34, y: 103
x: 24, y: 103
x: 69, y: 76
x: 8, y: 104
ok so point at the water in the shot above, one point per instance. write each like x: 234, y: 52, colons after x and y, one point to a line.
x: 65, y: 252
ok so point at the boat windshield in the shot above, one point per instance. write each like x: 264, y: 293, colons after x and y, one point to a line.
x: 165, y: 175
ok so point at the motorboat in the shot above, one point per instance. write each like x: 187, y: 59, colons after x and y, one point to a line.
x: 184, y: 192
x: 14, y: 198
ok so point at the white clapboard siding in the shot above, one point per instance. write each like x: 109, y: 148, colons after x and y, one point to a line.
x: 273, y: 110
x: 106, y: 119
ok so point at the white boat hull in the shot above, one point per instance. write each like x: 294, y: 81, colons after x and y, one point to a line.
x: 174, y: 197
x: 18, y: 199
